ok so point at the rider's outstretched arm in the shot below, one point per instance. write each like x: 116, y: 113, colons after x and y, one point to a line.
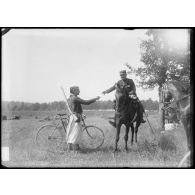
x: 109, y: 90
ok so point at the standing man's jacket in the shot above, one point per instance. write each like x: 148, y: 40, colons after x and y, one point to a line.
x: 75, y: 103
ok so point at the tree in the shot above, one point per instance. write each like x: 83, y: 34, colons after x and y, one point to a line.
x: 43, y: 106
x: 36, y: 106
x: 163, y: 59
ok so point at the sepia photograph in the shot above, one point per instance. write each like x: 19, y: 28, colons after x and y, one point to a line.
x: 96, y: 98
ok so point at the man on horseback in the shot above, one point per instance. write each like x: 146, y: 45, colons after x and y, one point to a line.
x: 129, y: 85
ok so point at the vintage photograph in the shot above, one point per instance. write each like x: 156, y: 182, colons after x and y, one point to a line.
x: 96, y: 98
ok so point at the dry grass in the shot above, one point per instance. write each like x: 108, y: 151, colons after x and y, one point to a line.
x: 166, y: 151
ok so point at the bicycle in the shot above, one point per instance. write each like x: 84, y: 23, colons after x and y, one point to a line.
x: 51, y: 137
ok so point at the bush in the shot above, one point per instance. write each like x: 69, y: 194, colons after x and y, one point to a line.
x: 166, y: 143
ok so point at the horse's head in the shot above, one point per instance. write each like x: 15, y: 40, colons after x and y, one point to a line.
x: 121, y: 96
x: 174, y: 89
x: 167, y: 94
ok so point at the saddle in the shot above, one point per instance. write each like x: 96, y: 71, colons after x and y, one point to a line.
x: 133, y: 98
x: 134, y: 101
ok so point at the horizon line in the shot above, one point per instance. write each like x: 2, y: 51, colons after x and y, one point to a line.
x: 63, y: 101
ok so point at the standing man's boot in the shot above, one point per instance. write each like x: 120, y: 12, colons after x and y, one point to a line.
x: 69, y: 147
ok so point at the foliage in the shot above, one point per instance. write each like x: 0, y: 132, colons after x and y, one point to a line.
x: 150, y: 104
x: 161, y: 61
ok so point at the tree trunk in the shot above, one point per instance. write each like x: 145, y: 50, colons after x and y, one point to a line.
x: 161, y: 116
x: 161, y: 112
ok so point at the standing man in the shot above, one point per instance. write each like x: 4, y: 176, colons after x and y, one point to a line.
x: 130, y: 87
x: 74, y: 128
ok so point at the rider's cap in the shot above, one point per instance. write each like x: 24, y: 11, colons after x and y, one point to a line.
x: 73, y: 89
x: 122, y: 72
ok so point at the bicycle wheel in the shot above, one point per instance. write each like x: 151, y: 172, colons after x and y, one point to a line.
x: 92, y: 137
x: 50, y: 138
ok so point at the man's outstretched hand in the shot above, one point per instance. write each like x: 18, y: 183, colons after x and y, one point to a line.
x: 97, y: 98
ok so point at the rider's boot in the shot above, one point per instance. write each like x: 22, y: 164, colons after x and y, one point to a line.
x: 142, y: 120
x: 113, y: 123
x: 70, y: 146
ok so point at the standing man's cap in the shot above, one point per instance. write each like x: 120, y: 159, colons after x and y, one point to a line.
x: 122, y: 72
x: 73, y: 89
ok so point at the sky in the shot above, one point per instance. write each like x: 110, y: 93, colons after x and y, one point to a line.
x: 36, y: 62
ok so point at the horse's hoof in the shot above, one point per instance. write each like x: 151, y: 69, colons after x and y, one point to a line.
x: 136, y: 145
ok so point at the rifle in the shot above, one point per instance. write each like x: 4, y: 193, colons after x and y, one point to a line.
x: 66, y: 101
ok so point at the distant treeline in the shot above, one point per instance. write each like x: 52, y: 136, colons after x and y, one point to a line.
x: 60, y: 105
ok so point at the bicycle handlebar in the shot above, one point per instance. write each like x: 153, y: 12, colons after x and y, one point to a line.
x: 83, y: 117
x: 62, y: 114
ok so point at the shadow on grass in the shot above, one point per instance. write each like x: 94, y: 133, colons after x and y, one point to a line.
x: 101, y: 149
x: 147, y: 149
x: 167, y: 143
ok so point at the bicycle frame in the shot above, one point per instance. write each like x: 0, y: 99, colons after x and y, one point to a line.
x: 61, y: 120
x: 83, y: 121
x: 67, y: 117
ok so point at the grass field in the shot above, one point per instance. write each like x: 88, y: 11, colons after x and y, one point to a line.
x: 166, y: 151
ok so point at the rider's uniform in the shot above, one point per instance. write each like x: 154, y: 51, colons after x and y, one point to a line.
x: 131, y: 89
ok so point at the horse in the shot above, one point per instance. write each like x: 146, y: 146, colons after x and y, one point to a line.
x: 172, y: 114
x: 179, y: 92
x: 126, y: 114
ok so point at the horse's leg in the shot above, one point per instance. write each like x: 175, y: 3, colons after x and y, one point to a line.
x: 186, y: 125
x: 118, y: 127
x: 136, y: 130
x: 132, y: 133
x: 126, y: 137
